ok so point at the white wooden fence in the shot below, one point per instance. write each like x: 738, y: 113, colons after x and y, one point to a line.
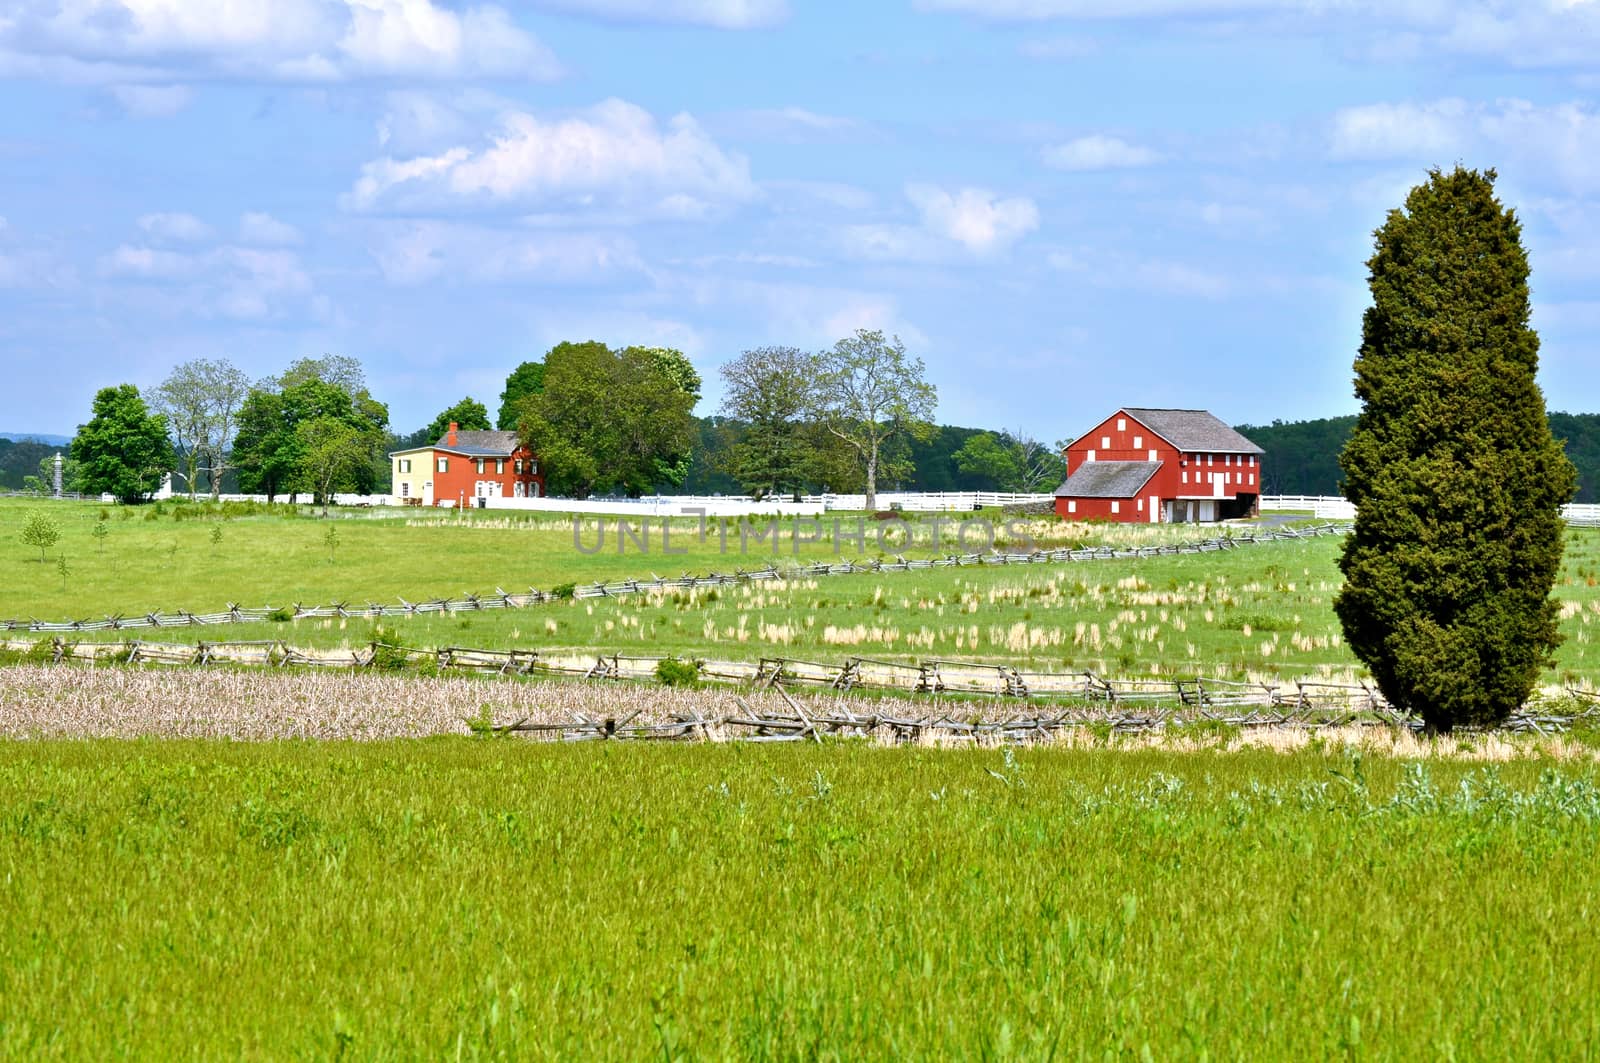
x: 1335, y: 507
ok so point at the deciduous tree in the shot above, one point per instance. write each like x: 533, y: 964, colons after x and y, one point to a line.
x: 768, y: 389
x: 1457, y: 480
x: 124, y: 449
x: 606, y: 421
x: 867, y: 392
x: 201, y: 401
x: 526, y: 379
x: 469, y: 415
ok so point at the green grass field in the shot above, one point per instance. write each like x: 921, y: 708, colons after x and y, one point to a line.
x: 476, y: 899
x: 1258, y: 611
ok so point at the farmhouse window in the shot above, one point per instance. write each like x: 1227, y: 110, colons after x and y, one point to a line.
x: 405, y: 488
x: 519, y: 466
x: 499, y: 466
x: 405, y: 464
x: 480, y: 466
x: 444, y: 464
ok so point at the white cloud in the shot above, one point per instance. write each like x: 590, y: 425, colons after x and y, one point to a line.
x: 421, y: 251
x: 1099, y: 152
x: 719, y: 14
x: 237, y: 282
x: 1390, y: 130
x: 973, y: 217
x: 177, y: 227
x: 969, y: 219
x: 152, y: 101
x: 1520, y: 33
x: 131, y: 42
x: 1556, y: 144
x: 257, y: 228
x: 794, y: 125
x: 612, y: 155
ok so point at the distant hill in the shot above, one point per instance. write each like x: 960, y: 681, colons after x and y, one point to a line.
x: 1303, y: 456
x: 36, y: 437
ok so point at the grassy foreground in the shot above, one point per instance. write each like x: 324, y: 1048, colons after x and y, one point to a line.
x: 489, y: 899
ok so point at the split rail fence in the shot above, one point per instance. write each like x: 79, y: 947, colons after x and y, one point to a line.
x: 1076, y: 699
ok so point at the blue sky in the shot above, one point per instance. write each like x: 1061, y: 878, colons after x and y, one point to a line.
x: 1062, y: 206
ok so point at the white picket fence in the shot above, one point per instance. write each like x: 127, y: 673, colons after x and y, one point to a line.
x: 1335, y: 507
x: 932, y: 501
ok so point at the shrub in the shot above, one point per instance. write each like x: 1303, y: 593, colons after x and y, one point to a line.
x: 564, y: 590
x: 678, y: 673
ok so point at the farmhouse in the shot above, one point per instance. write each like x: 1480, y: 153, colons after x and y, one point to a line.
x: 1160, y: 466
x: 464, y: 466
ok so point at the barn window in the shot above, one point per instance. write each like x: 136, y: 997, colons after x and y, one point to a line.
x: 1140, y: 505
x: 1211, y: 459
x: 1138, y: 441
x: 1105, y: 442
x: 1072, y: 505
x: 1091, y: 456
x: 1152, y: 454
x: 1122, y: 425
x: 1186, y: 476
x: 1114, y: 505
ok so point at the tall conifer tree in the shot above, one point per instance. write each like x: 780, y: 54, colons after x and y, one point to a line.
x: 1457, y: 479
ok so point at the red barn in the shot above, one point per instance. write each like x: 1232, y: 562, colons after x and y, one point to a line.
x: 1160, y: 466
x: 464, y: 466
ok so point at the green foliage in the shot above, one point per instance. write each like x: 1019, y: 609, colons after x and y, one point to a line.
x: 526, y: 379
x: 469, y: 415
x: 330, y: 539
x: 678, y: 673
x: 606, y: 421
x: 281, y: 615
x: 41, y: 531
x: 1452, y: 466
x: 124, y: 449
x: 1012, y: 461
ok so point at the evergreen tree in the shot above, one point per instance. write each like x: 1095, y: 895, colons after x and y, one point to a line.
x: 1457, y: 479
x: 124, y: 449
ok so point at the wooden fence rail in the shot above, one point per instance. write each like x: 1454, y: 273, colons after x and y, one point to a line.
x: 501, y: 599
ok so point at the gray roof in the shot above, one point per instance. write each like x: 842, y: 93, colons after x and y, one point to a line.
x: 474, y: 444
x: 1108, y: 479
x: 1193, y: 430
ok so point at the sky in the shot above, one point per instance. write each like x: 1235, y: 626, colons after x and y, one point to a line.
x: 1061, y: 206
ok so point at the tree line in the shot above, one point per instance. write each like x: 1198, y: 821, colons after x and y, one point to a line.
x: 1303, y: 456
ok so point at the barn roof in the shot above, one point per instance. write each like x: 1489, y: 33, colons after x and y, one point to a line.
x: 1193, y: 430
x: 1108, y: 479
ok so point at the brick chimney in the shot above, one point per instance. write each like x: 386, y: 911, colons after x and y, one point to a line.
x: 450, y: 436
